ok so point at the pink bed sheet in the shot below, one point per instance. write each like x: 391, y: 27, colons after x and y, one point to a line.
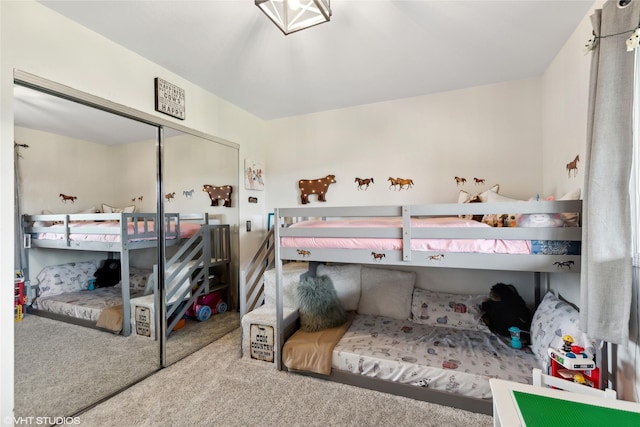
x: 187, y: 229
x: 440, y: 245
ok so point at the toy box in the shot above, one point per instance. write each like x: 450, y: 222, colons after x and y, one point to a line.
x: 143, y: 322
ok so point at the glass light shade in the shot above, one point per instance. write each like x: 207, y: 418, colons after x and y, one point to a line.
x: 295, y: 15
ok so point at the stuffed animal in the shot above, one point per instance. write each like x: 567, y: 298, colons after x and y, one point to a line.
x: 506, y: 308
x: 540, y: 220
x: 109, y: 274
x: 504, y: 220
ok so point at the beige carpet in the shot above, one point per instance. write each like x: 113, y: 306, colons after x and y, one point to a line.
x: 62, y: 368
x: 215, y: 387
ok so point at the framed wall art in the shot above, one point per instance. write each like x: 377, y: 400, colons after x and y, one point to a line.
x: 254, y: 176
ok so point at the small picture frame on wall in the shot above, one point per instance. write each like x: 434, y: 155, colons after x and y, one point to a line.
x: 254, y: 176
x: 170, y: 99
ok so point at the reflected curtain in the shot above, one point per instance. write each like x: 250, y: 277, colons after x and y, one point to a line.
x: 19, y: 261
x: 633, y: 350
x: 605, y: 292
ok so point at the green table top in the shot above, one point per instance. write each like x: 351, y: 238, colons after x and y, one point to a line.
x: 546, y: 411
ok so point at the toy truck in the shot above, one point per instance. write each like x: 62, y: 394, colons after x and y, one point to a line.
x: 206, y: 305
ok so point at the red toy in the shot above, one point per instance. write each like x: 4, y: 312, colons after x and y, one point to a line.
x: 572, y: 362
x: 206, y: 305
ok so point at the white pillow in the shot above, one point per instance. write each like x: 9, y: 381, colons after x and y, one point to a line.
x: 552, y: 320
x: 493, y: 197
x: 346, y: 281
x: 110, y: 209
x: 446, y: 309
x: 386, y: 292
x: 291, y: 277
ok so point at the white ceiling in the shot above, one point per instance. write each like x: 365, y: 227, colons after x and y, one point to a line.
x: 48, y: 113
x: 371, y: 51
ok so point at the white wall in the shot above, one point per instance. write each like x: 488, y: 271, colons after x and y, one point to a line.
x: 36, y: 40
x: 491, y: 132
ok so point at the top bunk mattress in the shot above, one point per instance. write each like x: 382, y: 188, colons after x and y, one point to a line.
x: 436, y: 235
x: 417, y: 244
x: 453, y: 360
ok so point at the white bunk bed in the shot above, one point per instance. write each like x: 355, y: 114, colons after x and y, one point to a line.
x: 436, y: 236
x: 200, y: 245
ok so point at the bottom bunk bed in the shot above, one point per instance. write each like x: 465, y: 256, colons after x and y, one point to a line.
x: 412, y: 342
x: 64, y: 294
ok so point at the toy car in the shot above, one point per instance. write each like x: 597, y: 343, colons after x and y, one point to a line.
x: 206, y: 305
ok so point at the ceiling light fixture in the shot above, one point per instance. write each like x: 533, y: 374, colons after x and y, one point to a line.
x: 295, y: 15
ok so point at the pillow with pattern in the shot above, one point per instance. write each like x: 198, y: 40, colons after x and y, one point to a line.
x: 63, y: 278
x: 445, y: 309
x: 552, y: 320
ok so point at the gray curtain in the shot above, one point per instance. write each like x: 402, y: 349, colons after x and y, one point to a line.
x: 605, y: 293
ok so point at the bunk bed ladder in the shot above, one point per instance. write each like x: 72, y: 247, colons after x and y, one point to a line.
x: 183, y: 265
x: 251, y: 278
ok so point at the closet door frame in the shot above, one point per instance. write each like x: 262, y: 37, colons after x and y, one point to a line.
x: 32, y: 81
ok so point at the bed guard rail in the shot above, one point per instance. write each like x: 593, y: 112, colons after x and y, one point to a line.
x: 132, y: 226
x: 251, y: 277
x: 404, y: 232
x: 187, y: 271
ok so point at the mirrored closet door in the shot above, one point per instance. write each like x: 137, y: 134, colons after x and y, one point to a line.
x: 111, y: 297
x: 200, y: 184
x: 74, y: 345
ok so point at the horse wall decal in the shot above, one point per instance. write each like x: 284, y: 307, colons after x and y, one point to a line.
x: 65, y: 198
x: 459, y: 180
x: 478, y: 181
x: 402, y: 182
x: 399, y: 183
x: 573, y: 166
x: 377, y: 256
x: 364, y: 182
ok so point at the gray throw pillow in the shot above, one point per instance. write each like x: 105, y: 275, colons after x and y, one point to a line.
x: 319, y: 305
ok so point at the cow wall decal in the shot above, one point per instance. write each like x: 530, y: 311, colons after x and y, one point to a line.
x: 315, y: 186
x: 219, y: 193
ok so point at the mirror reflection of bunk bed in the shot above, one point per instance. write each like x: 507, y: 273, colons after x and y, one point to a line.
x: 200, y: 246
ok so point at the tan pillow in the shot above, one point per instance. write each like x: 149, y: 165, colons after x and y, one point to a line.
x: 465, y: 197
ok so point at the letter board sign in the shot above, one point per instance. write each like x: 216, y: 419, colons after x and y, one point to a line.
x: 170, y: 99
x: 262, y: 342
